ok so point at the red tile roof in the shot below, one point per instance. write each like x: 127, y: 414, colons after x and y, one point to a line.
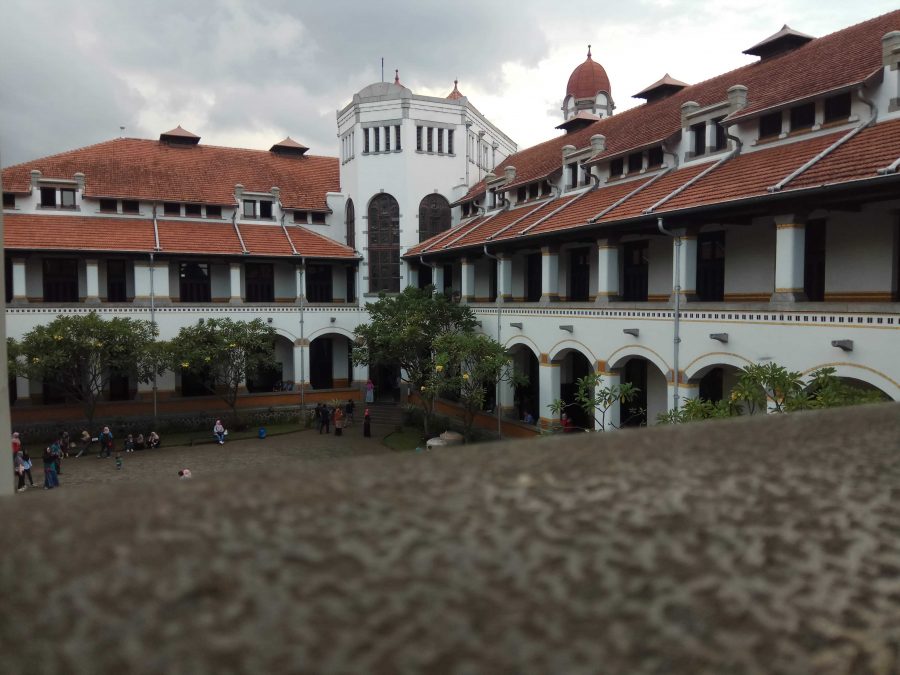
x: 456, y: 94
x: 177, y: 236
x: 129, y: 168
x: 27, y: 231
x: 314, y: 245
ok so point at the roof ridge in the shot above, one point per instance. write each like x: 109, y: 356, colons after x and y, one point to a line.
x: 68, y: 152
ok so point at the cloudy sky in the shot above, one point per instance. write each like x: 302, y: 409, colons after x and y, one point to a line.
x: 247, y: 73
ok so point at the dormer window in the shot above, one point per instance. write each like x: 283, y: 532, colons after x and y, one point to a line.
x: 9, y: 200
x: 837, y: 108
x: 172, y: 209
x: 318, y: 218
x: 265, y: 209
x: 617, y: 167
x: 803, y: 117
x: 109, y: 206
x: 573, y: 174
x: 698, y: 131
x: 48, y: 198
x: 533, y: 190
x: 721, y: 141
x: 522, y: 194
x: 465, y: 210
x: 654, y: 157
x: 213, y: 211
x: 635, y: 162
x: 131, y: 206
x: 770, y: 125
x: 193, y: 210
x: 300, y: 217
x: 249, y: 208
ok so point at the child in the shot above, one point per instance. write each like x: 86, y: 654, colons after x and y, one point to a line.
x: 86, y: 441
x: 153, y: 440
x: 106, y: 443
x: 129, y: 444
x: 26, y: 467
x: 139, y: 442
x: 184, y: 474
x: 219, y: 432
x: 119, y: 461
x: 64, y: 442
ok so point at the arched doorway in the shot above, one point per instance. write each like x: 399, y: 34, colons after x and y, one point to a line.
x: 526, y: 396
x: 573, y: 366
x: 330, y: 362
x: 281, y: 376
x: 384, y: 244
x: 434, y: 216
x: 652, y: 394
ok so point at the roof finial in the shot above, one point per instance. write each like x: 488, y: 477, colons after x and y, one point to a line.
x: 589, y: 51
x: 397, y: 76
x: 455, y: 83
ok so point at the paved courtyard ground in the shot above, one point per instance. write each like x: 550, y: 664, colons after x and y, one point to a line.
x: 739, y: 547
x: 259, y: 459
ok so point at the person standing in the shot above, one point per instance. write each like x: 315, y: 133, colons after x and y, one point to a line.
x: 86, y: 441
x: 16, y: 443
x: 106, y: 443
x: 219, y: 432
x: 326, y: 418
x: 318, y: 417
x: 338, y: 421
x: 27, y: 464
x: 19, y: 465
x: 367, y: 424
x: 348, y: 413
x: 370, y: 391
x: 50, y: 478
x: 64, y: 441
x: 56, y: 452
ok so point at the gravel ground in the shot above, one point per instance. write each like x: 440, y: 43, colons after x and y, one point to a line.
x: 766, y: 545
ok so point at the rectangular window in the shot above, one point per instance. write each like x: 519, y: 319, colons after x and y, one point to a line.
x: 109, y: 205
x: 131, y: 206
x: 116, y: 286
x: 533, y: 263
x: 803, y: 116
x: 721, y: 138
x: 319, y: 283
x: 259, y: 280
x: 60, y: 280
x: 67, y: 199
x: 192, y: 210
x: 194, y: 282
x: 448, y: 278
x: 387, y: 139
x: 534, y: 190
x: 265, y: 209
x: 213, y: 211
x: 419, y: 139
x: 9, y: 200
x: 449, y: 141
x: 48, y: 198
x: 249, y: 208
x: 172, y: 209
x: 837, y: 108
x: 522, y: 194
x: 617, y: 167
x: 465, y: 210
x: 814, y: 261
x: 654, y: 157
x: 698, y: 131
x: 580, y: 275
x: 318, y: 218
x: 397, y: 145
x: 770, y: 125
x: 430, y: 139
x: 351, y: 284
x: 635, y: 271
x: 711, y: 267
x: 300, y: 217
x: 440, y: 139
x: 492, y: 279
x: 635, y: 162
x: 376, y: 139
x: 365, y: 140
x: 572, y: 175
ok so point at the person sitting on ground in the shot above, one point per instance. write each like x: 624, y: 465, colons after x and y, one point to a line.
x: 139, y: 442
x: 184, y: 474
x: 153, y: 440
x: 219, y: 432
x: 529, y: 418
x: 129, y: 443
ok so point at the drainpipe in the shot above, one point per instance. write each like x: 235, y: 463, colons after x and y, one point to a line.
x: 284, y: 229
x: 433, y: 267
x: 834, y: 146
x: 153, y: 322
x: 499, y: 305
x: 302, y: 338
x: 676, y: 287
x: 156, y: 246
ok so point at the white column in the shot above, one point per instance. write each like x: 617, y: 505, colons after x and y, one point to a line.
x: 235, y: 278
x: 607, y: 271
x: 298, y: 280
x: 549, y: 376
x: 507, y: 399
x: 686, y: 390
x: 688, y: 265
x: 412, y: 275
x: 790, y: 252
x: 504, y: 277
x: 161, y: 282
x: 142, y: 280
x: 19, y: 280
x: 437, y: 278
x: 301, y: 364
x: 614, y: 414
x: 92, y: 278
x: 549, y: 274
x: 467, y: 282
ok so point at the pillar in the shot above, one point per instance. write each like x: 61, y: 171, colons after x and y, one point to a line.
x: 614, y: 414
x: 790, y: 252
x: 467, y: 280
x: 160, y: 283
x: 507, y: 400
x: 688, y: 265
x: 549, y: 375
x: 686, y: 390
x: 412, y: 275
x: 301, y: 364
x: 92, y: 281
x: 235, y: 279
x: 298, y: 283
x: 607, y: 271
x: 504, y: 277
x: 19, y: 280
x: 549, y: 274
x: 437, y: 278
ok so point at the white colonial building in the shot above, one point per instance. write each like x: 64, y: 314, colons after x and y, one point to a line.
x: 749, y: 218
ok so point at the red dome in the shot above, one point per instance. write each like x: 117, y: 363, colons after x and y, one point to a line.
x: 587, y: 79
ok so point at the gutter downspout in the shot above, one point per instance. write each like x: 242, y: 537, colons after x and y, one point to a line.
x: 237, y: 231
x: 834, y: 146
x: 639, y: 188
x: 595, y: 179
x: 432, y: 266
x: 153, y: 322
x: 892, y: 168
x: 518, y: 220
x: 499, y: 305
x: 676, y: 288
x: 284, y: 229
x: 156, y: 246
x: 302, y: 337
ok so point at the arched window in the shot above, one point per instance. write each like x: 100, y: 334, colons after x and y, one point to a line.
x: 384, y: 244
x: 434, y: 216
x: 351, y: 224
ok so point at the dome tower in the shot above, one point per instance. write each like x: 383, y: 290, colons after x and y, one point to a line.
x: 588, y: 90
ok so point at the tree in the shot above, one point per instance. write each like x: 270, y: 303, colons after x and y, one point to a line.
x: 222, y: 352
x: 596, y: 400
x: 80, y: 354
x: 403, y: 330
x: 468, y: 363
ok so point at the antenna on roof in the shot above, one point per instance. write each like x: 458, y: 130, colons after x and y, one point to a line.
x: 121, y: 132
x: 382, y: 69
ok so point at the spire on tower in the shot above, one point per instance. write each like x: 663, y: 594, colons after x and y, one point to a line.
x: 589, y: 51
x: 397, y: 76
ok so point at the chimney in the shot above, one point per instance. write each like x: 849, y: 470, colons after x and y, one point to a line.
x: 238, y: 191
x: 598, y: 144
x: 567, y: 150
x: 688, y: 108
x: 79, y: 179
x: 35, y: 177
x: 276, y: 192
x: 737, y: 97
x: 890, y: 49
x: 510, y: 174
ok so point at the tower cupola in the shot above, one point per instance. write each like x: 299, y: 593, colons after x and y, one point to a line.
x: 588, y: 90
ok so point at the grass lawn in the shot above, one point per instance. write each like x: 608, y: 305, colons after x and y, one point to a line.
x: 405, y: 440
x: 206, y: 436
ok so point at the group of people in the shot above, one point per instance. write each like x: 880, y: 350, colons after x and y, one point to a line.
x: 108, y: 445
x: 51, y: 459
x: 340, y: 417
